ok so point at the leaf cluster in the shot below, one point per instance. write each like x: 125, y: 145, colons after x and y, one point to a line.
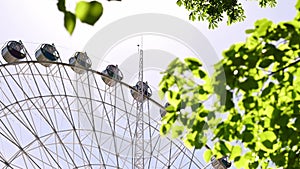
x: 186, y: 86
x: 257, y: 87
x: 214, y: 11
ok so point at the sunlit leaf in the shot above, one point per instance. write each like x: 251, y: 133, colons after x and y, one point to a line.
x: 298, y: 5
x: 207, y: 155
x: 262, y: 26
x: 268, y: 135
x: 89, y: 12
x: 235, y: 152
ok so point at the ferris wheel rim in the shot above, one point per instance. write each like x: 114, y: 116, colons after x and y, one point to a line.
x: 89, y: 70
x: 181, y: 149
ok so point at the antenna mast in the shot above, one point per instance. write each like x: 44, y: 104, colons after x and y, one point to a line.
x: 139, y: 131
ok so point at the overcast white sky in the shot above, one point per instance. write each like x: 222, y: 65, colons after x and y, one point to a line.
x: 38, y: 21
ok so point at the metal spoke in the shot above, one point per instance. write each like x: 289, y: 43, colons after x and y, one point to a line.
x: 52, y: 117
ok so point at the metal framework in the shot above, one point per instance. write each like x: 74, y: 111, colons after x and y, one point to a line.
x: 53, y: 117
x: 139, y: 134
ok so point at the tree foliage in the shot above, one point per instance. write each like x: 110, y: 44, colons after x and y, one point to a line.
x: 257, y: 88
x: 214, y: 11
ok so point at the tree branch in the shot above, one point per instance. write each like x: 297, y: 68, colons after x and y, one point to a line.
x: 281, y: 69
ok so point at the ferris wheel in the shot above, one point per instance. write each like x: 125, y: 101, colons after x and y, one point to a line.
x: 66, y: 115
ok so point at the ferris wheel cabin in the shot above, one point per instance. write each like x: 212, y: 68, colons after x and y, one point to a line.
x: 13, y: 51
x: 163, y: 112
x: 46, y: 54
x: 140, y: 91
x: 114, y: 74
x: 221, y: 163
x: 80, y: 62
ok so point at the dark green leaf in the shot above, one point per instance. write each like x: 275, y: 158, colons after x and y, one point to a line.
x: 198, y: 125
x: 203, y: 114
x: 193, y: 62
x: 283, y: 120
x: 268, y: 144
x: 247, y: 136
x: 236, y: 118
x: 61, y: 5
x: 253, y: 165
x: 267, y: 90
x: 224, y: 148
x: 179, y: 2
x: 165, y: 128
x: 297, y: 123
x: 248, y: 84
x: 228, y: 100
x: 261, y: 153
x: 265, y: 63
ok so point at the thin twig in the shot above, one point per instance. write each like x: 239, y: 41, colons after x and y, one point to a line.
x: 292, y: 64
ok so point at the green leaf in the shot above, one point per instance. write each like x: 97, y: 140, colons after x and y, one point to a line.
x: 69, y: 22
x: 236, y: 118
x: 262, y: 26
x: 248, y: 31
x: 254, y: 165
x: 268, y: 144
x: 297, y: 123
x: 170, y: 117
x: 179, y: 2
x: 265, y: 63
x: 247, y: 136
x: 174, y: 99
x: 177, y: 131
x: 164, y: 129
x: 227, y: 100
x: 225, y: 147
x: 61, y: 5
x: 203, y: 114
x: 241, y: 162
x: 267, y: 90
x: 297, y: 5
x: 235, y: 152
x: 190, y: 139
x: 248, y: 84
x: 195, y: 62
x: 199, y: 73
x: 207, y: 155
x: 89, y: 12
x: 283, y: 120
x: 268, y: 135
